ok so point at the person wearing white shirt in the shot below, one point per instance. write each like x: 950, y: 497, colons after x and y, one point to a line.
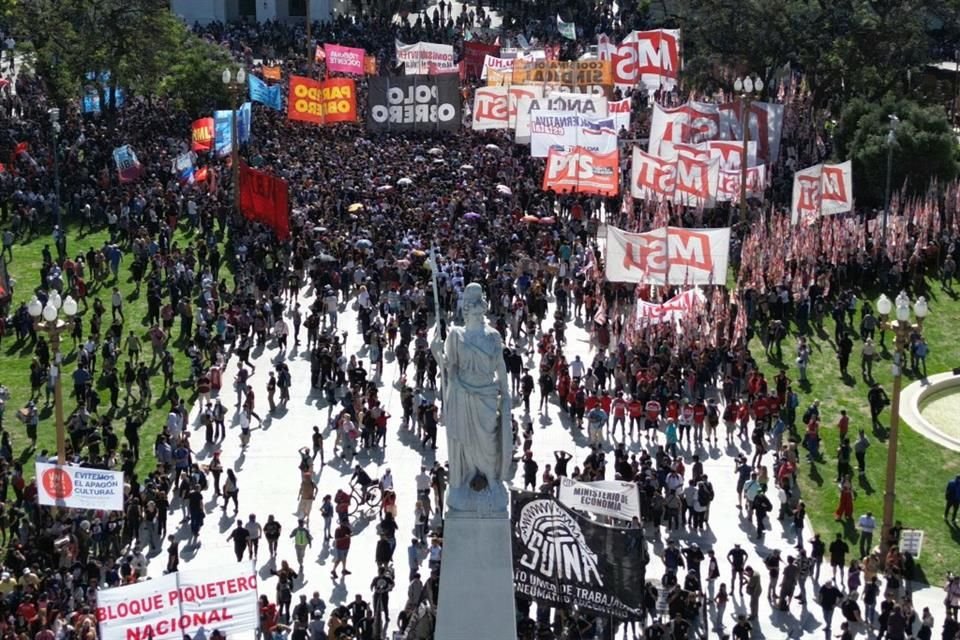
x: 576, y: 368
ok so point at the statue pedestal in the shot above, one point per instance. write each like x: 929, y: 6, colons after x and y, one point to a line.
x: 476, y: 578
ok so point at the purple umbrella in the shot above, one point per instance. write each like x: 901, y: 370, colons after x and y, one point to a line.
x: 472, y: 215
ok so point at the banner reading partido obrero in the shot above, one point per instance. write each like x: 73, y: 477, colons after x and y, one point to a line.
x: 79, y: 487
x: 192, y: 602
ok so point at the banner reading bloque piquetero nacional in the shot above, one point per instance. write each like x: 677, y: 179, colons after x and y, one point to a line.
x: 563, y: 560
x: 192, y: 602
x: 418, y: 103
x: 669, y: 255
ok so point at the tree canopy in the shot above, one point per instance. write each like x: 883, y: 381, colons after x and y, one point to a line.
x: 140, y: 45
x: 924, y: 147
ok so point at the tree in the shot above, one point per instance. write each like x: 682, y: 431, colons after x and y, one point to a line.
x: 925, y: 148
x: 136, y: 42
x: 846, y: 48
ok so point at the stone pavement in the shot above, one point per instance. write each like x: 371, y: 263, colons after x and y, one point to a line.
x: 268, y: 480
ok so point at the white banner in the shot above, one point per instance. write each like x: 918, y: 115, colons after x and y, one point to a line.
x: 619, y: 110
x: 672, y: 310
x: 648, y: 57
x: 582, y: 103
x: 822, y: 190
x: 728, y: 187
x: 669, y: 255
x: 79, y: 487
x: 417, y: 58
x: 688, y: 179
x: 501, y: 65
x: 620, y: 500
x: 564, y: 131
x: 191, y: 602
x: 496, y: 107
x: 696, y: 122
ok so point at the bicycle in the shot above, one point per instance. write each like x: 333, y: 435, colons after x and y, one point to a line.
x: 369, y: 498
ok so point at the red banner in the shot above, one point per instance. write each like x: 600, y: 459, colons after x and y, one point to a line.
x: 203, y: 134
x: 263, y: 198
x: 326, y: 102
x: 582, y: 171
x: 474, y: 53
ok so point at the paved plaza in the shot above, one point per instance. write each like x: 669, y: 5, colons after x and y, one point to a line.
x: 268, y: 478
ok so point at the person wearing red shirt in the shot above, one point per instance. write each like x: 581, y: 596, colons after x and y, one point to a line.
x: 730, y: 413
x: 593, y: 400
x: 673, y: 409
x: 563, y: 388
x: 743, y: 416
x: 760, y: 410
x: 650, y: 420
x: 619, y: 409
x: 341, y: 548
x: 843, y: 425
x: 699, y: 416
x: 635, y: 408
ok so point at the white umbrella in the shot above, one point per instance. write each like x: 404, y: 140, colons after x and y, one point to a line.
x: 492, y: 147
x: 435, y: 151
x: 419, y: 159
x: 504, y: 189
x: 439, y: 161
x: 467, y: 167
x: 386, y: 187
x: 405, y: 181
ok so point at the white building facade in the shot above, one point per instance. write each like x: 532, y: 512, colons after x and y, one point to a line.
x: 204, y: 11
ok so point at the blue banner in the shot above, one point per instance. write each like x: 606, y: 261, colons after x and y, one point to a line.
x: 264, y: 93
x: 92, y: 102
x: 223, y: 128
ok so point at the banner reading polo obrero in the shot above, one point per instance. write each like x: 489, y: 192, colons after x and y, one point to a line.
x: 191, y: 602
x: 322, y: 101
x: 79, y: 487
x: 414, y: 103
x: 620, y: 500
x: 344, y: 59
x: 583, y: 171
x: 669, y: 255
x: 822, y: 190
x: 416, y: 58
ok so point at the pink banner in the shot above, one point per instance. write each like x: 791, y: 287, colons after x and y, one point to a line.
x: 344, y: 59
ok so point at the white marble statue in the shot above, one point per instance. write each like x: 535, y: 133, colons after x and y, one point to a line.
x: 476, y: 409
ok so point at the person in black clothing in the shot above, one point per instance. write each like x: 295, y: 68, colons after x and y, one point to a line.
x: 358, y: 610
x: 877, y: 398
x: 761, y: 507
x: 830, y: 595
x: 526, y: 389
x: 240, y: 535
x: 560, y: 467
x: 530, y: 468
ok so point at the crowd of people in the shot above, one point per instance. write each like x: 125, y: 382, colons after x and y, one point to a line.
x: 220, y: 290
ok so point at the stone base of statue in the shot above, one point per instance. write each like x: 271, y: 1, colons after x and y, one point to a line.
x: 476, y: 577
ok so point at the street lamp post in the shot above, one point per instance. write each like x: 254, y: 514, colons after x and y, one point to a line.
x: 747, y: 87
x: 47, y: 319
x: 901, y: 327
x: 891, y: 139
x: 235, y: 83
x: 55, y: 127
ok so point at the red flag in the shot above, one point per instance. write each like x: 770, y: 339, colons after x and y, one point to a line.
x: 22, y: 147
x: 201, y: 175
x: 264, y: 198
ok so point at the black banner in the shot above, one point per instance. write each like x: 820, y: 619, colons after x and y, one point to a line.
x: 416, y: 103
x: 563, y: 560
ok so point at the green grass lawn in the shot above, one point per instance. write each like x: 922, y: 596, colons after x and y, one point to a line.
x: 923, y: 468
x: 15, y: 357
